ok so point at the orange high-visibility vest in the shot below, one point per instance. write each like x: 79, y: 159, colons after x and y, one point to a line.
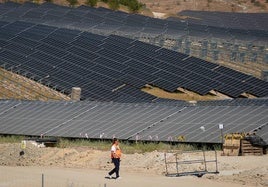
x: 117, y: 152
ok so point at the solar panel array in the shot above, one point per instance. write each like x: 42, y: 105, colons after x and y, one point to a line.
x: 236, y: 26
x: 51, y: 44
x: 107, y: 21
x: 235, y: 20
x: 235, y: 102
x: 148, y: 122
x: 112, y: 68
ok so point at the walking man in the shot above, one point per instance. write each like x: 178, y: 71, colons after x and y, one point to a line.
x: 115, y: 156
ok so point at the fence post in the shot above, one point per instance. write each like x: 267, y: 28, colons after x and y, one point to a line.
x: 43, y: 178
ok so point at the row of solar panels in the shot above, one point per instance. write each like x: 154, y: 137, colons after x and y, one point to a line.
x: 150, y: 122
x: 102, y: 65
x: 224, y: 102
x: 107, y: 21
x: 244, y: 21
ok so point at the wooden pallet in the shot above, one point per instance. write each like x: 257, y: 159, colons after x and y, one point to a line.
x: 231, y: 147
x: 248, y: 149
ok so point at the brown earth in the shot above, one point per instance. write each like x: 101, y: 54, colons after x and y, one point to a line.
x: 14, y: 86
x: 172, y: 7
x: 234, y: 170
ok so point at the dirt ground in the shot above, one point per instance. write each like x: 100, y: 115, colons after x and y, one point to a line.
x: 172, y: 7
x: 83, y: 166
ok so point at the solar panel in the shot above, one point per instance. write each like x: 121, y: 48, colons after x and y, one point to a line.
x: 144, y: 121
x: 117, y: 57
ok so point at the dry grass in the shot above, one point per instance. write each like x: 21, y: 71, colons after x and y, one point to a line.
x: 175, y: 6
x: 14, y: 86
x: 189, y: 96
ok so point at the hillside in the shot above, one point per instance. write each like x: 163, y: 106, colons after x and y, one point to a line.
x: 171, y: 7
x: 165, y: 8
x: 14, y: 86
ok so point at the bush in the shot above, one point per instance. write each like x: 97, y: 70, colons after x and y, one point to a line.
x: 133, y: 5
x: 72, y: 3
x: 11, y: 139
x: 257, y: 3
x: 113, y: 4
x: 92, y: 3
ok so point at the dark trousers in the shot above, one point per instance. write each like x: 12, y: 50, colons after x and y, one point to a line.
x: 116, y: 162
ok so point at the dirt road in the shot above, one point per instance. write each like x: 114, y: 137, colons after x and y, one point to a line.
x: 83, y: 166
x: 71, y: 177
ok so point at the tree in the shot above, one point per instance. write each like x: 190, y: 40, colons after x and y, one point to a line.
x: 113, y: 4
x: 92, y: 3
x: 133, y: 5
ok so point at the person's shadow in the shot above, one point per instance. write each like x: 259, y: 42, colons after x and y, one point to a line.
x: 110, y: 178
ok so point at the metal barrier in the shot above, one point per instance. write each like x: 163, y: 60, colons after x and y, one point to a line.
x: 175, y: 167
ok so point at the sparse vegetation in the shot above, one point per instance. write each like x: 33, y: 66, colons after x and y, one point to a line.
x: 149, y: 147
x: 72, y: 3
x: 133, y: 5
x: 257, y: 3
x: 11, y: 139
x: 92, y: 3
x: 113, y: 4
x: 127, y: 147
x: 14, y: 86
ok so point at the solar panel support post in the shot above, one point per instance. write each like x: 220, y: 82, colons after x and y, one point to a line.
x: 43, y: 180
x: 242, y: 57
x: 204, y: 155
x: 216, y: 55
x: 264, y: 75
x: 76, y: 94
x: 222, y: 140
x: 265, y: 58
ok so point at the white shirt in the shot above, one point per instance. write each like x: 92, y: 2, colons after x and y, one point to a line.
x: 113, y: 149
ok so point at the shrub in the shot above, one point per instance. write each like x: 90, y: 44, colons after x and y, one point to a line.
x: 257, y: 3
x: 113, y: 4
x: 72, y: 3
x: 92, y: 3
x: 133, y: 5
